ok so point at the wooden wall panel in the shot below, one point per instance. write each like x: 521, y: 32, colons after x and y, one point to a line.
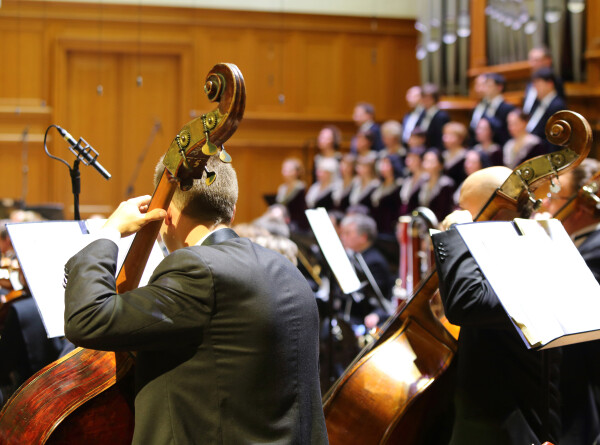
x: 302, y: 72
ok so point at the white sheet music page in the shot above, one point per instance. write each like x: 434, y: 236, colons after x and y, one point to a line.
x: 43, y: 248
x: 539, y: 276
x: 332, y: 249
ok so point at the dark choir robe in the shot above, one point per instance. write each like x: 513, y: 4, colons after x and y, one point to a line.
x: 580, y: 369
x: 494, y: 153
x: 294, y: 201
x: 370, y: 127
x: 361, y: 195
x: 386, y: 204
x: 318, y: 197
x: 454, y: 167
x: 439, y: 198
x: 409, y: 194
x: 341, y: 196
x: 530, y: 148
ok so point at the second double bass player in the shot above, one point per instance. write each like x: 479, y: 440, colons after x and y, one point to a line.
x: 505, y: 393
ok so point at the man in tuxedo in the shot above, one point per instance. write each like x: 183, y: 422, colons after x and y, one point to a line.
x: 434, y: 119
x: 549, y: 102
x: 226, y: 331
x: 580, y: 369
x: 539, y: 57
x: 505, y: 394
x: 364, y: 118
x: 479, y: 87
x: 411, y: 120
x: 497, y: 107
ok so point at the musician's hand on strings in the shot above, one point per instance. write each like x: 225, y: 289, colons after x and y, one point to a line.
x: 132, y: 215
x: 456, y: 217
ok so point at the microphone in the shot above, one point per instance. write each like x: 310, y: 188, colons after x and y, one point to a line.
x: 84, y: 151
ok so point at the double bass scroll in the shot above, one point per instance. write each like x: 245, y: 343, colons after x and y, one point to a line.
x: 86, y: 397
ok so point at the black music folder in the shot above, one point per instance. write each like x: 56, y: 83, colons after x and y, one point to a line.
x: 540, y: 278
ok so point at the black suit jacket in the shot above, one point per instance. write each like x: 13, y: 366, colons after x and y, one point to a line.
x: 505, y: 393
x: 501, y: 115
x: 227, y: 341
x: 434, y: 131
x: 580, y: 372
x: 557, y: 104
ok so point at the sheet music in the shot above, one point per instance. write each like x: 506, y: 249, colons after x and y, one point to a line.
x: 540, y: 278
x: 44, y: 247
x: 332, y: 249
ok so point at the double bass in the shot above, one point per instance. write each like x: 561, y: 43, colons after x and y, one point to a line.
x: 86, y: 397
x: 398, y: 389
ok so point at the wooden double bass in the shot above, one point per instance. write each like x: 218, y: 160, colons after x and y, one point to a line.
x: 87, y: 396
x: 398, y: 388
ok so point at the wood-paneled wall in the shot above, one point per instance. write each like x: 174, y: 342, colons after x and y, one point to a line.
x: 301, y: 72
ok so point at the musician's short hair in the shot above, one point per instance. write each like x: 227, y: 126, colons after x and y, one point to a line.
x: 213, y: 204
x: 365, y: 225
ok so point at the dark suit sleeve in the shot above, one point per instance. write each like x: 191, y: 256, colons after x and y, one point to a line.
x: 467, y: 296
x: 174, y: 306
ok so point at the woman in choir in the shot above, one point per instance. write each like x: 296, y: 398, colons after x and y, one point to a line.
x: 365, y: 143
x: 437, y: 191
x: 291, y: 193
x: 342, y: 189
x: 328, y: 145
x: 475, y: 159
x: 523, y: 145
x: 320, y: 193
x: 391, y: 135
x: 411, y: 185
x: 385, y: 200
x: 365, y: 182
x: 485, y: 133
x: 454, y: 136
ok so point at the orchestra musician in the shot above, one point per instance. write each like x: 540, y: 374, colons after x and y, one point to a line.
x: 505, y: 393
x: 226, y: 331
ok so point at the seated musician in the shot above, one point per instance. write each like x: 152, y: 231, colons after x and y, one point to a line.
x: 226, y: 331
x: 505, y: 394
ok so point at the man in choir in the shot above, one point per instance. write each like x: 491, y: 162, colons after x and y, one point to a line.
x: 539, y: 57
x: 498, y: 108
x: 580, y: 370
x: 434, y: 119
x: 549, y: 102
x: 411, y: 120
x: 505, y: 394
x: 364, y: 118
x: 226, y: 331
x: 479, y: 87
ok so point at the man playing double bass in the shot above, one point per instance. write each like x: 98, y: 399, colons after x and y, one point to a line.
x: 225, y: 331
x: 505, y: 393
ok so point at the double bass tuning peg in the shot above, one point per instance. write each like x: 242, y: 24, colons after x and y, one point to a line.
x: 210, y: 176
x: 224, y: 156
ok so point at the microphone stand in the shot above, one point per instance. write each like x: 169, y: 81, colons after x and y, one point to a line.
x: 74, y: 173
